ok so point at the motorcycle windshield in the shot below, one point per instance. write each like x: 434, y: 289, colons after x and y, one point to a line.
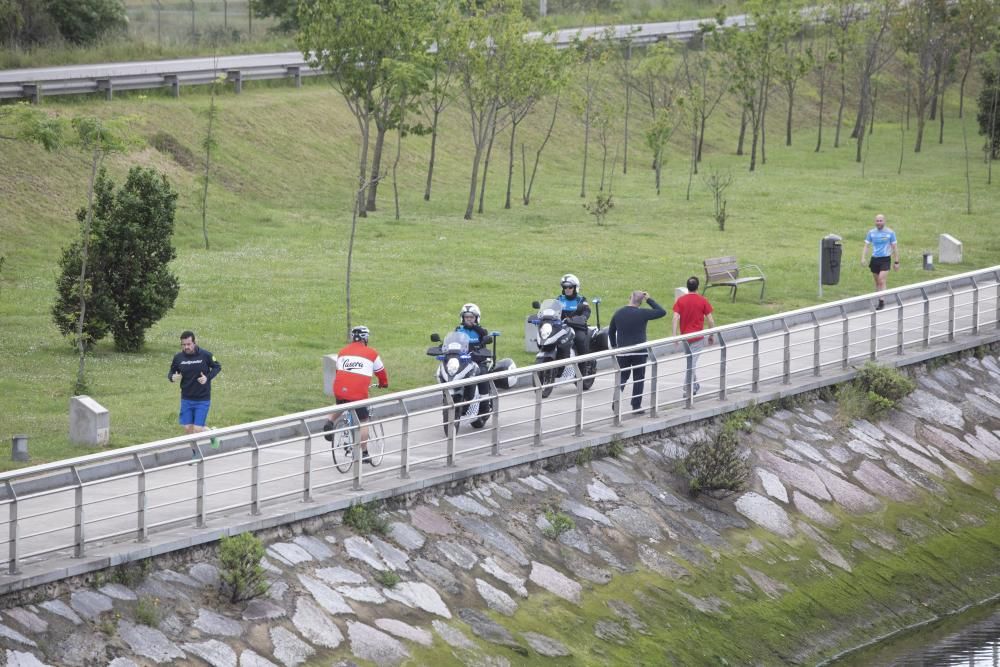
x: 550, y: 309
x: 455, y: 343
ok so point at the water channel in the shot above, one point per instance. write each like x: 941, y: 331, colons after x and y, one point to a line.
x: 970, y: 639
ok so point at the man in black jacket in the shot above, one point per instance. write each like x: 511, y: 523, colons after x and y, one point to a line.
x: 194, y: 368
x: 628, y: 327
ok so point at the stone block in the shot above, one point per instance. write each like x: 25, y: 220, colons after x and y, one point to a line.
x: 949, y: 249
x: 89, y: 422
x: 530, y: 337
x: 329, y: 371
x: 19, y: 448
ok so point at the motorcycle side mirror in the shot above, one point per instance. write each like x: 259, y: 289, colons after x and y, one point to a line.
x: 536, y: 305
x: 494, y: 333
x: 597, y: 300
x: 488, y: 339
x: 436, y: 338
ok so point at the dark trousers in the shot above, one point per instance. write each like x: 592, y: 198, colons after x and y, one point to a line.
x: 633, y: 365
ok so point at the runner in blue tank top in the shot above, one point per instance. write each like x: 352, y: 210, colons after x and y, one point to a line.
x: 885, y: 254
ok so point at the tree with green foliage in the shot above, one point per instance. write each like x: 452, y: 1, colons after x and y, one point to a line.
x: 286, y: 11
x: 129, y: 286
x: 658, y: 86
x: 439, y: 93
x: 591, y: 56
x: 360, y: 44
x: 793, y: 63
x: 976, y: 23
x: 988, y: 116
x: 86, y: 21
x: 242, y: 575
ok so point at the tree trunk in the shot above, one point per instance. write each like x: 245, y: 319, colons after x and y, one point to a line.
x: 628, y: 108
x: 788, y: 120
x: 473, y: 182
x: 871, y: 115
x: 395, y: 164
x: 822, y: 100
x: 364, y: 124
x: 961, y: 86
x: 935, y: 89
x: 658, y: 169
x: 753, y: 149
x: 840, y: 109
x: 766, y: 85
x: 941, y: 118
x: 743, y: 132
x: 81, y: 377
x: 586, y: 146
x: 376, y: 165
x: 486, y: 167
x: 510, y: 162
x: 701, y: 136
x: 430, y: 163
x: 538, y: 153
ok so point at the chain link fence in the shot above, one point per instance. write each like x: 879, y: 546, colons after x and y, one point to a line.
x: 195, y: 21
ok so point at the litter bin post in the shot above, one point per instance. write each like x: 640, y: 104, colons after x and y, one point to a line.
x: 928, y: 261
x: 830, y: 253
x: 19, y: 448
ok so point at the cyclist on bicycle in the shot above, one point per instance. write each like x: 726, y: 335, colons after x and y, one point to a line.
x: 356, y: 364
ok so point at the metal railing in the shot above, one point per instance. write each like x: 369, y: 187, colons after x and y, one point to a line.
x: 131, y: 492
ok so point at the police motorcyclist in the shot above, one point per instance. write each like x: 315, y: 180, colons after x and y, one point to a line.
x: 575, y: 312
x: 470, y: 326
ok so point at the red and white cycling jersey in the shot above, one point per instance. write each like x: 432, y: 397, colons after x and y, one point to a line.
x: 356, y: 364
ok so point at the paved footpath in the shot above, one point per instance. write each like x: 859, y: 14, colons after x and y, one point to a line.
x: 171, y: 488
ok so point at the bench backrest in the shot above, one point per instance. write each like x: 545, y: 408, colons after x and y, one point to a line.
x: 721, y: 268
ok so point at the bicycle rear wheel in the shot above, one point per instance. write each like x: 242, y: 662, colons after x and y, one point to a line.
x: 343, y: 445
x: 376, y: 444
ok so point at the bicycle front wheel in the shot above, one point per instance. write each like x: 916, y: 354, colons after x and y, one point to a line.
x: 343, y: 446
x: 376, y: 444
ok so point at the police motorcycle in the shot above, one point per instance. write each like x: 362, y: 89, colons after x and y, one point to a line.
x: 554, y: 338
x: 458, y: 362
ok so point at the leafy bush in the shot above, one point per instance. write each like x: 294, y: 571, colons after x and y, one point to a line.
x: 717, y: 465
x: 147, y: 611
x: 129, y: 287
x: 387, y: 578
x: 241, y: 572
x: 365, y: 518
x: 130, y: 575
x: 559, y: 523
x: 616, y: 448
x: 873, y: 392
x: 85, y: 21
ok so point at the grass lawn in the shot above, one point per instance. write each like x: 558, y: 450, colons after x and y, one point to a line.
x: 268, y: 298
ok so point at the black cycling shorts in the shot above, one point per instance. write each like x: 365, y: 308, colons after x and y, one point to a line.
x: 362, y: 412
x: 880, y: 264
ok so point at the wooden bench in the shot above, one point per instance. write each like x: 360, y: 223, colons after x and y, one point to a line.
x: 725, y: 272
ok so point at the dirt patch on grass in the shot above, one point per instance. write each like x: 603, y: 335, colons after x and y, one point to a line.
x: 166, y: 143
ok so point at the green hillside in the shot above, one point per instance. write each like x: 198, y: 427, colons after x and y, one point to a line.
x: 268, y: 298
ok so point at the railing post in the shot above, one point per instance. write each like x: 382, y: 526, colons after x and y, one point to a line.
x: 254, y: 476
x: 495, y: 395
x: 951, y: 313
x: 816, y: 360
x: 616, y: 395
x: 404, y: 444
x: 141, y: 530
x: 927, y: 317
x: 357, y: 463
x: 846, y: 342
x: 755, y: 379
x: 200, y: 487
x: 578, y: 417
x: 654, y: 379
x: 307, y: 465
x: 899, y: 324
x: 996, y: 310
x: 80, y: 536
x: 537, y: 438
x: 723, y: 353
x: 688, y: 376
x: 453, y: 425
x: 786, y: 362
x: 873, y: 335
x: 975, y: 306
x: 12, y: 536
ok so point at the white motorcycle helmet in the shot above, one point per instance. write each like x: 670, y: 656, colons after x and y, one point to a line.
x: 569, y: 280
x: 467, y: 309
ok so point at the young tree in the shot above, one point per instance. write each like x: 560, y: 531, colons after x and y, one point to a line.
x: 130, y: 286
x: 988, y: 116
x: 705, y: 80
x: 209, y: 144
x: 358, y: 42
x: 439, y: 92
x: 657, y: 86
x: 922, y: 30
x: 793, y: 62
x: 976, y: 22
x: 591, y: 54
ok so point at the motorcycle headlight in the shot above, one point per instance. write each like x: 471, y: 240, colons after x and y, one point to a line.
x: 545, y: 330
x: 452, y: 366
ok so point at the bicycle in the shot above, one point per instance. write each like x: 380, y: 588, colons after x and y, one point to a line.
x: 345, y: 436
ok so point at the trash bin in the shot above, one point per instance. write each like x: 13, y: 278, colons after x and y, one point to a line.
x: 830, y: 255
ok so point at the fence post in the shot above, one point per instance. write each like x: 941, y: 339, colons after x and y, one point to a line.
x: 12, y: 536
x: 404, y: 443
x: 688, y: 375
x: 899, y: 324
x: 194, y: 30
x: 578, y: 431
x: 927, y: 317
x: 975, y: 306
x: 307, y: 465
x: 951, y: 313
x: 996, y: 310
x: 786, y: 362
x: 80, y: 536
x: 141, y: 530
x: 873, y: 336
x: 537, y: 438
x: 200, y: 486
x: 357, y: 463
x: 755, y: 381
x: 816, y: 361
x: 846, y: 342
x: 616, y: 401
x: 453, y: 425
x: 654, y: 378
x: 495, y: 397
x: 254, y: 476
x: 723, y: 353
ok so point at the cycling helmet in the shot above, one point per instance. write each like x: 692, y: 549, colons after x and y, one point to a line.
x: 360, y: 334
x: 467, y: 309
x: 569, y: 280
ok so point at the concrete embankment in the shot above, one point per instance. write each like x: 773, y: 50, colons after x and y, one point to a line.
x: 848, y: 530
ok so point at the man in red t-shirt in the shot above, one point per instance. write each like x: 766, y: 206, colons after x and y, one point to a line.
x: 356, y: 364
x: 691, y: 311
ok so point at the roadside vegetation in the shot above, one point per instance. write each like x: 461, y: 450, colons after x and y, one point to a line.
x: 268, y: 297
